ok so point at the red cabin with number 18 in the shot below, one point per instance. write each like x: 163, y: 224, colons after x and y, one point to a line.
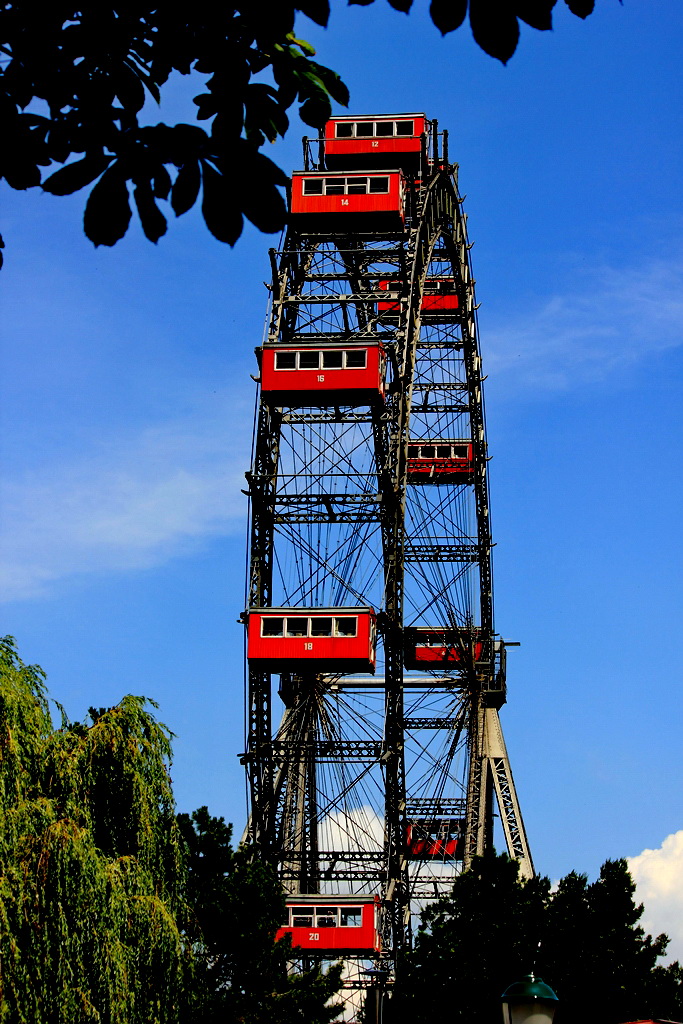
x: 311, y: 639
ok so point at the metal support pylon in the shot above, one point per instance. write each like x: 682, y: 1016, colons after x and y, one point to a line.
x: 490, y: 773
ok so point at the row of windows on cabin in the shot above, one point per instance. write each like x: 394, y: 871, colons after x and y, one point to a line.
x: 368, y: 129
x: 323, y: 917
x: 439, y: 286
x: 437, y: 826
x: 433, y: 286
x: 439, y: 451
x: 314, y: 359
x: 434, y: 640
x: 346, y: 625
x: 356, y: 186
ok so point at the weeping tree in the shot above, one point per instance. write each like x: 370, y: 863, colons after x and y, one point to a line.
x: 112, y: 910
x: 92, y: 903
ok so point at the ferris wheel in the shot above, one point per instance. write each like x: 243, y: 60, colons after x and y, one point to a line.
x: 374, y: 751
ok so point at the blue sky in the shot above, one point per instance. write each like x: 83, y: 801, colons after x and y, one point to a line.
x: 127, y: 413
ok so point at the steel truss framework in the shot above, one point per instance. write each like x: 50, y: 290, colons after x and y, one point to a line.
x: 335, y: 521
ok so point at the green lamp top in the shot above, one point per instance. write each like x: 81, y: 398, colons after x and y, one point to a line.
x: 529, y: 988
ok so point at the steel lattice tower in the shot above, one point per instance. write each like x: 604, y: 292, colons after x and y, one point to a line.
x: 378, y: 784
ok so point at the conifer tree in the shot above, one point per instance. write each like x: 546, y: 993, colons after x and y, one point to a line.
x: 238, y: 903
x: 583, y: 939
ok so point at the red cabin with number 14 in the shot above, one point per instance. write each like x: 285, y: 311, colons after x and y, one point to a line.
x: 355, y: 201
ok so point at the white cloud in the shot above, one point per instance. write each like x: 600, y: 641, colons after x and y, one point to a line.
x: 127, y: 504
x: 658, y: 875
x: 610, y: 319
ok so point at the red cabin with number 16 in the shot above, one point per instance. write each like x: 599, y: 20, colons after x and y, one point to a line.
x: 345, y: 374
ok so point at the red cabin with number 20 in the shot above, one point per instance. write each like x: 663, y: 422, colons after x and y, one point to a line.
x: 332, y: 924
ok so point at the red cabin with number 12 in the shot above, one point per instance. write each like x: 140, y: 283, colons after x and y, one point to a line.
x: 387, y: 140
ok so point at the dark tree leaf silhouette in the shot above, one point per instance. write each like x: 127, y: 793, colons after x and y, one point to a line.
x: 76, y: 78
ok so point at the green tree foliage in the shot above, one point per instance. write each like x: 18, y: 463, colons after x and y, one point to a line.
x: 92, y: 909
x: 112, y: 910
x: 76, y: 78
x: 238, y: 902
x: 473, y: 943
x: 592, y: 951
x: 597, y: 952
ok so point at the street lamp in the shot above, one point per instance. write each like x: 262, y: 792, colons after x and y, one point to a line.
x: 379, y: 976
x: 529, y: 1001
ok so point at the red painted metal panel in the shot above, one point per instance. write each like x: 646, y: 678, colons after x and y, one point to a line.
x: 324, y: 931
x: 438, y: 648
x: 439, y: 302
x: 423, y: 845
x: 428, y: 462
x: 325, y: 385
x: 359, y: 148
x: 437, y: 657
x: 281, y: 639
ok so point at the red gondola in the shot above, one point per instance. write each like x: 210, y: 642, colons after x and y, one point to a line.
x: 356, y: 201
x: 333, y: 924
x: 349, y: 374
x: 439, y: 298
x: 393, y: 140
x: 435, y: 839
x: 441, y: 461
x: 311, y: 639
x: 427, y: 648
